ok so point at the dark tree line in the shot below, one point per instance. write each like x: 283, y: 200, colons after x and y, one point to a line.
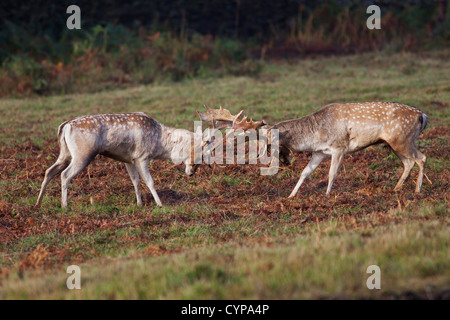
x: 231, y: 18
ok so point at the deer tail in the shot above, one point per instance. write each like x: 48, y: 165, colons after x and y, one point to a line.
x: 424, y: 121
x: 61, y: 138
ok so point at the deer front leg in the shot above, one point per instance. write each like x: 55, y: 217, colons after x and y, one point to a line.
x: 134, y: 175
x: 142, y: 168
x: 336, y: 160
x: 316, y: 159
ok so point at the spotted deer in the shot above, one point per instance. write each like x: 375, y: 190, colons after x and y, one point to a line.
x: 132, y: 138
x: 338, y: 129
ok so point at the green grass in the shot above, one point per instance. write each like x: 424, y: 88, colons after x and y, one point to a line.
x: 321, y: 263
x: 232, y: 234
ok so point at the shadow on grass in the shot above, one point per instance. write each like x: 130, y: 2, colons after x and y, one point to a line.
x: 171, y: 197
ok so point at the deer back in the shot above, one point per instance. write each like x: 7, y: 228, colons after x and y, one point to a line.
x: 352, y: 126
x: 119, y: 136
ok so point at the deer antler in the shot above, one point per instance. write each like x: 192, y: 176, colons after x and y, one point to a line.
x: 246, y: 125
x: 222, y: 118
x: 220, y: 114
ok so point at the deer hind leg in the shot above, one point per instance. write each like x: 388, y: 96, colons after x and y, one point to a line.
x: 316, y: 159
x: 60, y: 164
x: 420, y: 160
x: 142, y: 167
x: 408, y: 164
x: 409, y: 156
x: 134, y: 175
x: 336, y: 161
x: 77, y: 164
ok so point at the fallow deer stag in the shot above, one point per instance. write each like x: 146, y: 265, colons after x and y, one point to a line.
x: 132, y: 138
x: 337, y: 129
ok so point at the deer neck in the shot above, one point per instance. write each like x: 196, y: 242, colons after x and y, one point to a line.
x: 299, y: 134
x: 176, y: 144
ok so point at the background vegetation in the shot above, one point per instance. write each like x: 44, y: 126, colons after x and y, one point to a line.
x: 141, y: 42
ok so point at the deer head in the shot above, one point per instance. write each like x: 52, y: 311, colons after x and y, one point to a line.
x: 223, y: 119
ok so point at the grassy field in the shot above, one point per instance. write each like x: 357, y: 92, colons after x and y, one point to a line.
x: 230, y: 233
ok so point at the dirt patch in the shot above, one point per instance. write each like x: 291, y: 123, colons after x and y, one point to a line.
x: 363, y: 189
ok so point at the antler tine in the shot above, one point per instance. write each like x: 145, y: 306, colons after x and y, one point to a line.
x: 206, y: 116
x: 203, y: 116
x: 238, y: 115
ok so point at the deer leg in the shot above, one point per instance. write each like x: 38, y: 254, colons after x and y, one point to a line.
x: 316, y: 159
x: 142, y: 167
x: 407, y: 152
x: 55, y: 169
x: 134, y: 175
x: 408, y: 164
x: 76, y: 165
x: 336, y: 160
x: 421, y: 163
